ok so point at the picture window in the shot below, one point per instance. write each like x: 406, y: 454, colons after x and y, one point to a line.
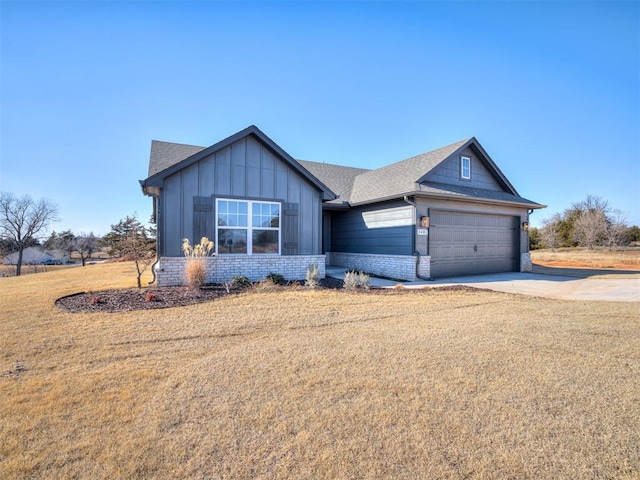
x: 247, y: 227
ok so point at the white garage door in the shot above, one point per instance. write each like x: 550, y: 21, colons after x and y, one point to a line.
x: 472, y: 243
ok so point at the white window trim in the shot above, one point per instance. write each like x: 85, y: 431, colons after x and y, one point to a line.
x: 462, y: 169
x: 249, y: 228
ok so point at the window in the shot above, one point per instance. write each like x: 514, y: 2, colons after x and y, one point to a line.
x: 465, y: 168
x: 247, y: 227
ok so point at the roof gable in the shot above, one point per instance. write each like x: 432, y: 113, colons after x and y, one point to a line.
x: 165, y: 159
x: 484, y: 172
x: 415, y: 176
x: 401, y: 177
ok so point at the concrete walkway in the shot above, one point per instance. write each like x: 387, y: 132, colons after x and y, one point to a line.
x: 612, y: 287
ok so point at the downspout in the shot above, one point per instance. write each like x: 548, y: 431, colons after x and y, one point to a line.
x: 153, y: 270
x: 150, y: 193
x: 413, y: 242
x: 153, y: 267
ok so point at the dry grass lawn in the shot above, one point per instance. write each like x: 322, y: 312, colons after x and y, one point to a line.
x: 316, y: 384
x: 601, y: 258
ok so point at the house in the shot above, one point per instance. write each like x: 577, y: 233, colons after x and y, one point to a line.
x: 447, y: 212
x: 37, y: 256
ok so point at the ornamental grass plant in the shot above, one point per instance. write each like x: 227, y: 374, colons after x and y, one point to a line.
x: 196, y: 266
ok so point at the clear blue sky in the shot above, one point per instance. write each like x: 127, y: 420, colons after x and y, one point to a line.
x: 550, y: 89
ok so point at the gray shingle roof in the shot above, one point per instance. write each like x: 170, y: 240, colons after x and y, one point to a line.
x: 166, y: 154
x: 360, y: 185
x: 338, y: 178
x: 399, y: 178
x: 168, y: 158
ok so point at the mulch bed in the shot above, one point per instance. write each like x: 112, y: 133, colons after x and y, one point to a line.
x: 160, y: 297
x: 130, y: 299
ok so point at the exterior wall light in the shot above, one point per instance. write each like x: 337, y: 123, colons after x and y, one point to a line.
x: 525, y: 226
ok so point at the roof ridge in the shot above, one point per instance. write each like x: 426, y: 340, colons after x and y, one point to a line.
x: 454, y: 145
x: 177, y: 143
x: 335, y: 165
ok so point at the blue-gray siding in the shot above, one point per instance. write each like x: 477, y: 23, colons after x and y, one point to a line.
x: 448, y: 172
x: 245, y: 169
x: 385, y: 229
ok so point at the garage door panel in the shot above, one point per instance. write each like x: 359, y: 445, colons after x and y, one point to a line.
x: 470, y: 243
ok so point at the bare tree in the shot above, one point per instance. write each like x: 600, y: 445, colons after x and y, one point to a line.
x: 616, y: 229
x: 589, y: 228
x: 550, y: 232
x: 591, y: 203
x: 85, y: 245
x: 22, y: 219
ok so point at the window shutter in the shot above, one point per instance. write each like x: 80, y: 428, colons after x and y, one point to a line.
x: 290, y: 221
x: 202, y: 218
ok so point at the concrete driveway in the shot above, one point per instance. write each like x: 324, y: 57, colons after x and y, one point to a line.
x: 599, y: 285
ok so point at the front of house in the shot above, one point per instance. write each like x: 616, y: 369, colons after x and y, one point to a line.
x: 447, y: 212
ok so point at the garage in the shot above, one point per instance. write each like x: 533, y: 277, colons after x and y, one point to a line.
x: 462, y: 243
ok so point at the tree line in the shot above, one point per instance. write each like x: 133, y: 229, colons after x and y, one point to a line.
x: 589, y: 223
x: 23, y: 222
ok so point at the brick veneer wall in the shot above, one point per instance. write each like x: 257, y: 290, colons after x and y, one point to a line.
x: 526, y: 265
x: 222, y: 268
x: 400, y: 267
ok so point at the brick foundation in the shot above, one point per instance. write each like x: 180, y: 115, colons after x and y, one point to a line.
x: 222, y: 268
x: 400, y: 267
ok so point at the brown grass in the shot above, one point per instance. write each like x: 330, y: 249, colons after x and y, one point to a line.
x: 10, y: 270
x: 621, y: 259
x: 316, y: 384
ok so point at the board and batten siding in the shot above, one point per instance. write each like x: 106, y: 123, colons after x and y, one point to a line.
x: 244, y: 169
x: 449, y: 172
x: 378, y: 229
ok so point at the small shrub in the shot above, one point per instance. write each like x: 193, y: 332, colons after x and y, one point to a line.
x: 364, y: 281
x: 266, y: 285
x: 150, y: 297
x: 276, y: 278
x: 354, y: 280
x: 312, y: 280
x: 240, y: 281
x: 350, y: 280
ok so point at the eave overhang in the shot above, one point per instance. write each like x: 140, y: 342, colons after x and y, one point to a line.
x: 150, y: 191
x: 453, y: 196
